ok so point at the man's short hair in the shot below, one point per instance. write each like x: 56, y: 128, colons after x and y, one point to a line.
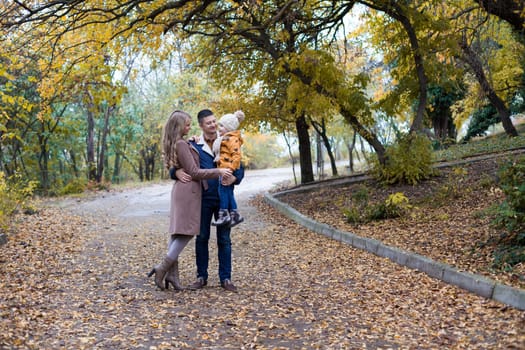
x: 203, y: 114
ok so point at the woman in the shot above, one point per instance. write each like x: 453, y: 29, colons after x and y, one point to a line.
x: 185, y: 206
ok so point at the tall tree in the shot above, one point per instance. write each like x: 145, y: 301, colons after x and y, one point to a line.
x: 470, y: 56
x: 493, y: 57
x: 240, y: 34
x: 512, y: 11
x: 440, y: 113
x: 403, y: 14
x: 320, y: 128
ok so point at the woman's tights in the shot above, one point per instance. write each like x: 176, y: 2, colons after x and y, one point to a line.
x: 176, y: 245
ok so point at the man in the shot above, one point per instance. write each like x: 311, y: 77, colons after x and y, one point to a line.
x: 210, y: 207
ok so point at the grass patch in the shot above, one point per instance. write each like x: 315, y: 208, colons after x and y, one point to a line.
x: 495, y: 143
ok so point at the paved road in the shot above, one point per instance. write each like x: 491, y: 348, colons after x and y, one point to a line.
x: 297, y: 289
x: 154, y: 199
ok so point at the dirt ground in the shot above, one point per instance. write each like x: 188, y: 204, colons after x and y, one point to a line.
x: 74, y: 277
x: 446, y: 221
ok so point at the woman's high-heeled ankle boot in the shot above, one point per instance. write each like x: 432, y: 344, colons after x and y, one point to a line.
x: 173, y: 277
x: 160, y: 271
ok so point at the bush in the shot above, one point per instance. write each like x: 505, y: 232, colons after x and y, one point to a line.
x: 454, y: 186
x: 512, y: 182
x: 408, y: 161
x: 397, y: 205
x: 15, y: 195
x: 358, y: 203
x: 508, y: 255
x: 353, y: 215
x: 360, y: 211
x: 510, y: 215
x: 74, y: 187
x: 98, y: 186
x: 394, y: 206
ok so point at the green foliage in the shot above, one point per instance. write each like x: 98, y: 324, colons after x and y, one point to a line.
x: 517, y: 104
x: 453, y: 187
x: 486, y: 181
x: 361, y: 195
x: 320, y: 68
x: 361, y: 210
x: 408, y: 161
x: 482, y: 119
x: 43, y: 118
x: 355, y: 212
x: 443, y: 144
x: 15, y: 194
x: 394, y: 206
x: 353, y: 215
x: 74, y: 187
x: 512, y: 182
x: 438, y: 110
x: 506, y: 256
x: 510, y: 215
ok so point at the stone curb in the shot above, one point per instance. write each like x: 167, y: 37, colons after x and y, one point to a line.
x: 476, y: 284
x: 3, y: 239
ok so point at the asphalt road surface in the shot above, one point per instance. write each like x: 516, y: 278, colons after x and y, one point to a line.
x: 154, y: 199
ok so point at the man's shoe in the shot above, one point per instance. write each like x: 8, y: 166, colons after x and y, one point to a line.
x: 198, y: 284
x: 228, y: 285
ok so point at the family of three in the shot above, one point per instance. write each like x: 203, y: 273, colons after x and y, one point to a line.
x: 205, y: 169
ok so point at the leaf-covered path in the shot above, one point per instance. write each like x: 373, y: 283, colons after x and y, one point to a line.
x: 75, y: 278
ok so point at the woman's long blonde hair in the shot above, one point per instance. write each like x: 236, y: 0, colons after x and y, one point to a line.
x: 172, y: 133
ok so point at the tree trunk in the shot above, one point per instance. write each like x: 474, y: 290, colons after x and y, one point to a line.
x: 396, y: 12
x: 417, y: 123
x: 507, y: 10
x: 103, y: 144
x: 149, y: 162
x: 475, y: 64
x: 351, y: 147
x: 43, y: 162
x: 321, y: 131
x: 319, y: 157
x: 305, y: 152
x: 72, y: 154
x: 350, y: 118
x: 444, y: 127
x: 90, y: 140
x: 141, y: 170
x: 369, y: 136
x: 115, y: 177
x: 290, y: 153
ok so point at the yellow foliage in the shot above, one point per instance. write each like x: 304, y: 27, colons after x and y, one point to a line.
x: 501, y: 54
x: 14, y: 194
x: 397, y: 199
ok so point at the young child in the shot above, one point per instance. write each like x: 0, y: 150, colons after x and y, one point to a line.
x: 227, y: 150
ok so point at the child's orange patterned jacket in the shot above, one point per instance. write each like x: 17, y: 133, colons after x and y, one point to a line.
x: 230, y: 154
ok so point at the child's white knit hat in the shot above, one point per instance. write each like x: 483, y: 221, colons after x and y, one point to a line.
x: 231, y: 121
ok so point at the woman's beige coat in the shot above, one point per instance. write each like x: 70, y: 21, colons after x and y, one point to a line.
x: 185, y: 207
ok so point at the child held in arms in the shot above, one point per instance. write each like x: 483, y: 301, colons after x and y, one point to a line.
x: 227, y: 150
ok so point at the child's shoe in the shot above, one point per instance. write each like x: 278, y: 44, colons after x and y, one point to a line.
x: 223, y: 219
x: 236, y: 218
